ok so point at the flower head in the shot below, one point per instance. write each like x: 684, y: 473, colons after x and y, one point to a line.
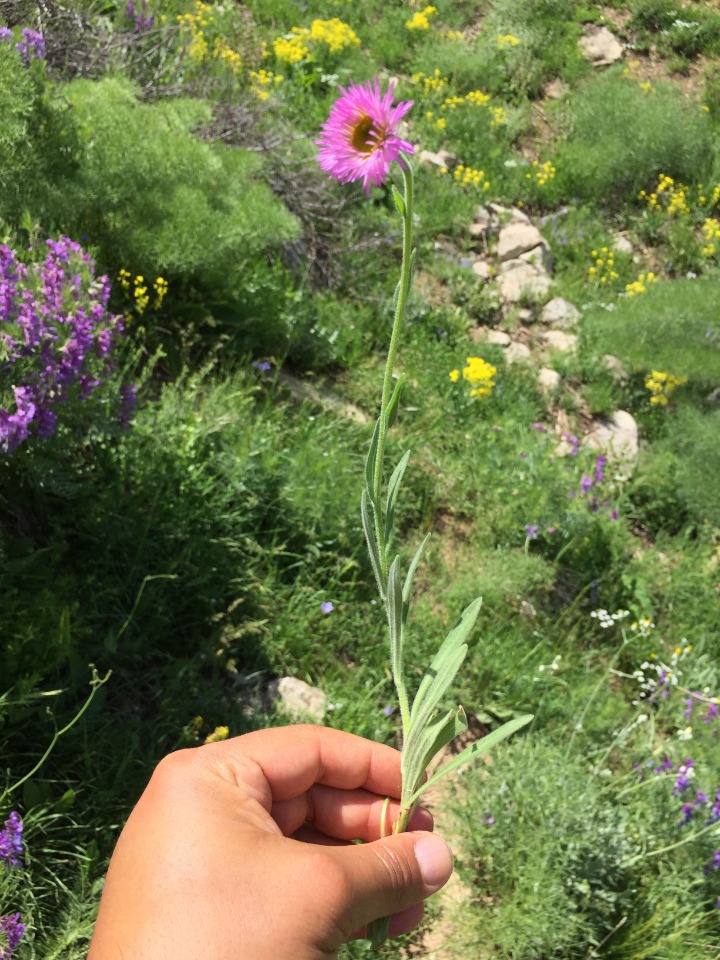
x: 359, y: 139
x: 11, y: 841
x: 11, y: 933
x: 327, y: 606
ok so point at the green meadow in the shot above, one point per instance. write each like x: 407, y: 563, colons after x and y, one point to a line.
x: 180, y: 528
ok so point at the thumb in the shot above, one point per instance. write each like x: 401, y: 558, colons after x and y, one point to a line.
x: 388, y: 875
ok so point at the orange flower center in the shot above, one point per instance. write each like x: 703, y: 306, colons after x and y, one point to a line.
x: 364, y: 137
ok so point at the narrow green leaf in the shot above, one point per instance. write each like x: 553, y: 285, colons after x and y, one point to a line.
x: 377, y: 932
x: 372, y: 454
x: 393, y: 404
x: 365, y: 507
x: 437, y: 734
x: 392, y: 495
x: 399, y: 202
x: 395, y: 620
x: 412, y: 267
x: 407, y: 586
x: 435, y: 682
x: 474, y: 751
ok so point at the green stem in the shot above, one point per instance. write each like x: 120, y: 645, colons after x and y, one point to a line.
x: 400, y: 306
x: 673, y: 846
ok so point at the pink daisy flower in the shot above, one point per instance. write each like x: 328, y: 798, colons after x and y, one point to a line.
x: 359, y: 139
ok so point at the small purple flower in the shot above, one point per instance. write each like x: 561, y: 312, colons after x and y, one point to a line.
x: 585, y: 484
x: 701, y: 798
x: 32, y: 46
x: 550, y: 530
x: 5, y: 33
x: 574, y: 443
x: 523, y: 456
x: 389, y: 711
x: 11, y: 932
x: 327, y: 606
x: 532, y: 530
x: 683, y: 778
x: 715, y: 811
x: 664, y: 766
x: 487, y: 819
x: 599, y: 467
x: 540, y: 427
x: 687, y: 811
x: 262, y: 365
x: 11, y: 841
x: 714, y: 862
x: 614, y: 515
x: 712, y: 713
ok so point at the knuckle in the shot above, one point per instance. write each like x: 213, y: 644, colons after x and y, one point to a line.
x: 397, y: 867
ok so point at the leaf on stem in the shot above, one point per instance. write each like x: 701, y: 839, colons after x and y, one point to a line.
x: 472, y: 752
x: 392, y: 495
x: 399, y: 202
x: 439, y: 732
x: 407, y: 586
x: 393, y: 404
x: 365, y: 508
x: 395, y: 621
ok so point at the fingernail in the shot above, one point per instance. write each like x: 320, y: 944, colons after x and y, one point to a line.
x: 435, y: 860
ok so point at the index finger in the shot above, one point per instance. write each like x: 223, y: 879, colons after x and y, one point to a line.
x: 292, y: 759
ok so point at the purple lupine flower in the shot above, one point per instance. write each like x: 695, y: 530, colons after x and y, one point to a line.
x: 689, y: 705
x: 614, y: 515
x: 585, y: 484
x: 664, y: 766
x: 532, y: 530
x: 32, y: 46
x: 574, y: 443
x: 327, y: 606
x: 683, y: 777
x: 712, y: 713
x: 714, y: 862
x: 715, y: 810
x: 5, y: 33
x: 686, y: 811
x: 701, y: 798
x: 11, y: 841
x: 11, y: 932
x: 599, y: 467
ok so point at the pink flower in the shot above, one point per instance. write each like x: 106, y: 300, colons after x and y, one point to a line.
x: 359, y: 139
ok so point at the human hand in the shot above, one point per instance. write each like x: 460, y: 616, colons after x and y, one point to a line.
x: 242, y: 850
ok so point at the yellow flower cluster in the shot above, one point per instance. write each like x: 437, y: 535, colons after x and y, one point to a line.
x: 431, y: 84
x: 507, y: 40
x: 455, y: 35
x: 641, y: 284
x: 646, y: 86
x: 291, y: 48
x: 452, y: 103
x: 231, y: 58
x: 421, y: 19
x: 479, y: 374
x: 336, y: 34
x: 499, y: 116
x: 661, y: 385
x: 263, y: 81
x: 478, y: 98
x: 711, y: 235
x: 468, y: 177
x: 219, y: 733
x: 195, y: 23
x: 603, y: 269
x: 140, y: 291
x: 668, y: 195
x: 542, y: 173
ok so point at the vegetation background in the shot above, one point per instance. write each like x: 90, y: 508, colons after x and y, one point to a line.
x: 196, y: 549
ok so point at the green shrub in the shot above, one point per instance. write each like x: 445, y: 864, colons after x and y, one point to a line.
x: 600, y: 161
x: 693, y: 441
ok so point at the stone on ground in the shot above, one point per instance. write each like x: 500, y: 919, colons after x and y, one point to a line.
x: 616, y: 437
x: 559, y: 340
x: 601, y: 46
x: 525, y: 280
x: 548, y: 380
x: 517, y: 238
x: 299, y: 699
x: 560, y: 313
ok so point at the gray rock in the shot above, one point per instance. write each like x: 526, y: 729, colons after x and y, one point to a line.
x: 525, y: 280
x: 616, y: 437
x: 601, y: 46
x: 560, y: 313
x: 517, y: 352
x: 524, y: 315
x: 298, y: 698
x: 443, y: 158
x: 622, y: 244
x: 548, y: 380
x: 509, y: 214
x: 540, y: 255
x: 478, y: 230
x: 615, y: 366
x: 482, y: 269
x: 559, y: 340
x: 498, y: 337
x: 517, y: 238
x: 555, y: 90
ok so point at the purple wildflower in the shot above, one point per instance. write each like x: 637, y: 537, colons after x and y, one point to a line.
x: 664, y: 766
x: 32, y: 46
x: 11, y: 841
x: 262, y: 365
x: 532, y: 530
x: 389, y: 711
x: 712, y: 713
x: 585, y: 484
x: 359, y: 139
x: 714, y: 862
x: 687, y: 811
x: 614, y: 515
x: 574, y: 443
x: 327, y: 606
x: 11, y: 933
x: 5, y: 33
x: 683, y: 777
x: 487, y: 819
x: 599, y: 467
x: 540, y: 427
x: 715, y: 811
